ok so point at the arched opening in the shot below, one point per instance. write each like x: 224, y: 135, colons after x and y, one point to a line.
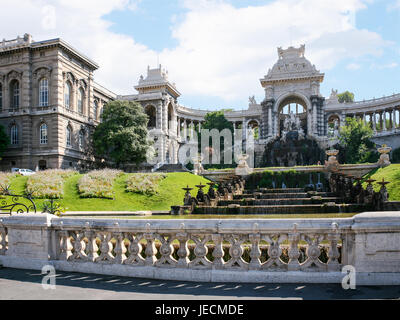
x: 68, y: 137
x: 81, y: 97
x: 333, y: 125
x: 170, y: 116
x: 255, y: 128
x: 14, y: 137
x: 151, y: 113
x: 14, y: 95
x: 292, y: 117
x: 43, y: 92
x: 43, y: 134
x: 67, y: 96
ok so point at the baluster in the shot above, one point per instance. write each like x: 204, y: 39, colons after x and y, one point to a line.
x: 236, y: 252
x: 255, y: 253
x: 274, y: 250
x: 183, y: 251
x: 200, y: 251
x: 120, y: 248
x: 3, y: 243
x: 333, y: 253
x: 150, y: 247
x: 91, y: 248
x: 135, y: 248
x: 65, y: 245
x: 313, y: 252
x: 218, y: 252
x: 79, y: 247
x: 294, y: 253
x: 166, y: 251
x: 105, y: 248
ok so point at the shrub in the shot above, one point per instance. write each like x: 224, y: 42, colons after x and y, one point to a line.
x: 98, y: 184
x: 396, y: 155
x: 144, y: 183
x: 48, y: 184
x: 5, y: 179
x: 291, y: 178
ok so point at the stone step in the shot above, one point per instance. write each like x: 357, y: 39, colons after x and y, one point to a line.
x: 281, y: 195
x: 172, y: 168
x: 280, y: 201
x: 287, y: 190
x: 281, y: 209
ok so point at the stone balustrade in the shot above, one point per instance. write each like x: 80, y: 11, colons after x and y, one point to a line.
x: 238, y: 250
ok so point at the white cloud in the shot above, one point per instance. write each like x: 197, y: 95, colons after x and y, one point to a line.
x: 222, y: 51
x: 390, y: 65
x: 353, y: 66
x: 393, y: 6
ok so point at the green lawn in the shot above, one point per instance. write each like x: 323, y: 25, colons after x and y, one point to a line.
x: 170, y: 193
x: 391, y: 174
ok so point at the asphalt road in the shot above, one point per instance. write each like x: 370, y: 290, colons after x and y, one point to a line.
x: 26, y: 284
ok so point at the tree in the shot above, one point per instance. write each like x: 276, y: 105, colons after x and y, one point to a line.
x: 122, y: 134
x: 216, y: 120
x: 4, y: 140
x: 355, y: 139
x: 346, y: 97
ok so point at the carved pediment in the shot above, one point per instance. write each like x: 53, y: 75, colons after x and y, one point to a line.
x: 14, y: 74
x: 42, y: 72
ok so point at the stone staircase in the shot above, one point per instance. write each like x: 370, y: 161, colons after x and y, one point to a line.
x: 279, y: 201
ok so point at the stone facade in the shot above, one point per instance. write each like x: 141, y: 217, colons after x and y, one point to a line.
x: 34, y: 79
x: 292, y: 90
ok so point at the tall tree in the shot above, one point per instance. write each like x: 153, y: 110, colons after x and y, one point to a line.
x: 346, y: 96
x: 122, y: 134
x: 216, y: 120
x: 4, y: 140
x: 355, y: 139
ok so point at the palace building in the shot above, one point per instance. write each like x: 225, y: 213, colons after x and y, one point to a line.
x: 50, y: 105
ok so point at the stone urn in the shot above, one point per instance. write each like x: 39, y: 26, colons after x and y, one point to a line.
x: 384, y: 159
x: 243, y: 168
x: 332, y: 164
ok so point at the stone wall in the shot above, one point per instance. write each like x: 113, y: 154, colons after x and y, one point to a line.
x: 223, y: 251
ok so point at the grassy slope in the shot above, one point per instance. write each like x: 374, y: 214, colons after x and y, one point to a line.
x: 170, y: 193
x: 391, y: 174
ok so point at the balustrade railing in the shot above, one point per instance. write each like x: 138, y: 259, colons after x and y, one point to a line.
x: 205, y: 245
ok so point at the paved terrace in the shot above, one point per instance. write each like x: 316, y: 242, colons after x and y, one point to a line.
x: 26, y: 284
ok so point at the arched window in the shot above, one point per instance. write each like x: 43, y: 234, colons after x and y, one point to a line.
x: 43, y: 133
x: 14, y: 135
x: 80, y: 101
x: 95, y: 109
x: 43, y: 92
x: 1, y: 97
x: 67, y: 96
x: 81, y: 138
x: 14, y: 91
x: 69, y: 137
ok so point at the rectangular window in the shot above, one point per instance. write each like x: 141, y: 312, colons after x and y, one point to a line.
x: 43, y: 93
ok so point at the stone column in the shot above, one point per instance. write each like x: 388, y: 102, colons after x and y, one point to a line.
x: 393, y: 119
x: 165, y: 117
x: 384, y: 120
x: 159, y: 116
x: 184, y: 130
x: 179, y: 127
x: 374, y: 121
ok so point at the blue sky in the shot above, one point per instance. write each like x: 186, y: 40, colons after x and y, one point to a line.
x: 366, y: 76
x: 217, y: 50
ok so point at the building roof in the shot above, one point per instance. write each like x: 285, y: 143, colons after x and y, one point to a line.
x: 292, y: 65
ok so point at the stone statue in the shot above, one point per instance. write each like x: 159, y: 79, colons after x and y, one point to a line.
x: 252, y: 100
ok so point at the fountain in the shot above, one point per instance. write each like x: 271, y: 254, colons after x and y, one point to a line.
x: 384, y: 160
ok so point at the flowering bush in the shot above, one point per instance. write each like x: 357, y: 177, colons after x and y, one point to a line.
x: 48, y: 184
x: 5, y: 179
x: 98, y: 184
x: 144, y: 183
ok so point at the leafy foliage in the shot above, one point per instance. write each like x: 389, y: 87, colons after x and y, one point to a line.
x: 4, y: 140
x: 144, y: 183
x: 355, y: 140
x: 122, y: 134
x: 346, y: 96
x: 216, y: 120
x: 396, y: 155
x: 98, y: 184
x: 5, y: 180
x: 291, y: 178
